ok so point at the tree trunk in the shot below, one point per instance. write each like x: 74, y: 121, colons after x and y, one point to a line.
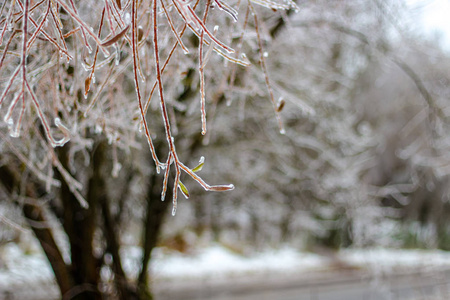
x: 10, y: 179
x: 156, y: 210
x: 79, y: 224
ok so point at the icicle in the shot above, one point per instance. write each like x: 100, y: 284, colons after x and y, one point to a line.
x: 85, y: 66
x: 64, y: 130
x: 127, y: 18
x: 10, y: 123
x: 98, y: 129
x: 81, y: 199
x: 15, y: 133
x: 116, y: 169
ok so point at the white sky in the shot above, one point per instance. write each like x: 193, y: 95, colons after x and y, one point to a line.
x: 434, y: 16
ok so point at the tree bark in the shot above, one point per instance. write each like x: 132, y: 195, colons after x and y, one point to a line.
x: 79, y: 224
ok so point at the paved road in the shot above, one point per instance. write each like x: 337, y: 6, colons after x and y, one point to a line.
x: 354, y: 285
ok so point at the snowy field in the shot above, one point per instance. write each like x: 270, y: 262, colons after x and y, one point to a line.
x: 28, y: 275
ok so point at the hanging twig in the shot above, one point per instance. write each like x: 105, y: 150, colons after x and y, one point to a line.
x: 159, y: 165
x: 262, y: 62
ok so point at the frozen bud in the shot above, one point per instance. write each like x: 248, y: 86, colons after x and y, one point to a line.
x: 280, y: 104
x: 119, y: 5
x: 127, y: 18
x: 140, y: 33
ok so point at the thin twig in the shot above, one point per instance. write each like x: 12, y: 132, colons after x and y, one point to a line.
x: 185, y: 49
x: 202, y: 73
x: 262, y: 62
x: 136, y: 82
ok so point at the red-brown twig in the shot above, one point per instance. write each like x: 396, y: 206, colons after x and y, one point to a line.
x: 136, y: 82
x: 83, y: 33
x: 6, y: 48
x: 172, y: 51
x: 87, y: 83
x: 8, y: 17
x: 180, y: 42
x: 47, y: 36
x: 83, y: 25
x: 228, y: 9
x: 38, y: 29
x: 173, y: 155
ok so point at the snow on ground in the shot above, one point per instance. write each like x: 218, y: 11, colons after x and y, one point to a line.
x: 217, y: 262
x: 22, y: 267
x: 30, y: 274
x: 397, y: 258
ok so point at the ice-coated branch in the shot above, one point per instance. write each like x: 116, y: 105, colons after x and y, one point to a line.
x: 83, y: 25
x: 136, y: 82
x: 172, y: 27
x: 202, y: 73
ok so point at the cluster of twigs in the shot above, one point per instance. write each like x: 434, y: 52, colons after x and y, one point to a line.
x: 119, y: 26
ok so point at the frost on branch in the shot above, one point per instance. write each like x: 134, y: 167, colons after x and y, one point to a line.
x: 87, y: 69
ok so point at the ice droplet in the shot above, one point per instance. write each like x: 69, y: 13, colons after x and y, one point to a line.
x: 202, y: 160
x: 85, y: 67
x: 265, y: 54
x: 98, y: 129
x: 117, y: 57
x: 116, y: 169
x: 127, y: 18
x: 282, y: 131
x: 14, y: 133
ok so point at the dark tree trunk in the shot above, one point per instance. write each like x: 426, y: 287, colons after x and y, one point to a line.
x: 81, y: 279
x: 156, y: 210
x: 79, y: 224
x: 98, y: 190
x: 10, y: 178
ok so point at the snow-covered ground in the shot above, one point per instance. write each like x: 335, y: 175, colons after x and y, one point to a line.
x: 20, y: 271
